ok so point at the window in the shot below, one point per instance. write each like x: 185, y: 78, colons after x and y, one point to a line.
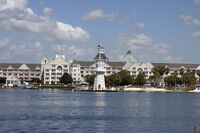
x: 139, y: 69
x: 47, y: 74
x: 47, y: 70
x: 134, y: 68
x: 53, y: 70
x: 133, y: 72
x: 53, y: 73
x: 108, y: 68
x: 65, y: 65
x: 53, y: 65
x: 59, y: 68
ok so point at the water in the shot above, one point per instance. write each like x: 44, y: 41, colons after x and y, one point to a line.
x: 63, y: 111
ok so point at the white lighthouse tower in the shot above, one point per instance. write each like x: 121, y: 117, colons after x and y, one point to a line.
x: 99, y: 82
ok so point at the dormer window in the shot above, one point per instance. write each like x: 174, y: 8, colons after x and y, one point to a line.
x: 59, y: 68
x: 139, y: 69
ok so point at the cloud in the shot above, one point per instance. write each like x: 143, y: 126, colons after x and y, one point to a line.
x: 72, y: 51
x: 190, y: 20
x: 134, y: 41
x: 4, y: 42
x: 162, y: 48
x: 33, y: 51
x: 134, y: 15
x: 195, y: 34
x: 15, y: 16
x: 68, y: 50
x: 171, y: 59
x: 196, y: 1
x: 140, y: 25
x: 47, y: 11
x: 99, y: 14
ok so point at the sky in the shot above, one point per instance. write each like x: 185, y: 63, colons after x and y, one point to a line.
x: 154, y: 30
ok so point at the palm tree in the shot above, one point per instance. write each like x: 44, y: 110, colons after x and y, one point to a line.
x: 198, y: 73
x: 159, y: 73
x: 175, y: 75
x: 181, y: 72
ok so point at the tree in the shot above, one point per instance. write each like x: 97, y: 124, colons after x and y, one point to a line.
x: 159, y: 72
x: 2, y: 80
x: 36, y: 80
x: 126, y: 78
x: 140, y: 79
x: 181, y: 72
x: 189, y: 78
x: 198, y: 73
x: 113, y: 80
x: 172, y: 80
x: 121, y: 78
x: 90, y: 79
x: 66, y: 79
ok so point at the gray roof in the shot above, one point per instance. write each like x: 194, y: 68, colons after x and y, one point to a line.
x: 17, y: 65
x: 13, y: 65
x: 116, y: 64
x: 84, y: 63
x: 89, y: 63
x: 177, y: 65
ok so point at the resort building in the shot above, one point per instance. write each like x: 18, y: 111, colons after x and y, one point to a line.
x: 135, y: 68
x: 12, y: 81
x: 52, y: 70
x: 24, y: 72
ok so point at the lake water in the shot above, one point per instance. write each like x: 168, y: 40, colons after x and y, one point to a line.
x: 64, y: 111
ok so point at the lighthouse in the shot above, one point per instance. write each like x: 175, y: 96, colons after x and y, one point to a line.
x: 99, y: 82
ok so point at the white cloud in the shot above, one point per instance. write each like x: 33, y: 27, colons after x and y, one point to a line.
x: 134, y: 15
x: 134, y: 41
x: 190, y: 20
x: 171, y: 59
x: 14, y: 16
x: 196, y: 1
x: 195, y: 34
x: 68, y: 50
x: 140, y: 25
x: 4, y: 42
x: 99, y: 14
x: 162, y: 48
x: 72, y: 51
x: 24, y: 52
x: 47, y: 11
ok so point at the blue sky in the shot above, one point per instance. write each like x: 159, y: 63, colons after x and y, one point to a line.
x: 154, y: 30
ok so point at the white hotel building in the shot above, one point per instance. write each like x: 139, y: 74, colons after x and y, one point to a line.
x: 50, y: 71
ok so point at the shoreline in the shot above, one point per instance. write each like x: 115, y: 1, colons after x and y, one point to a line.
x: 73, y: 89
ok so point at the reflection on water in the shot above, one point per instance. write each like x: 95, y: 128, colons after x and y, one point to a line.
x: 63, y: 111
